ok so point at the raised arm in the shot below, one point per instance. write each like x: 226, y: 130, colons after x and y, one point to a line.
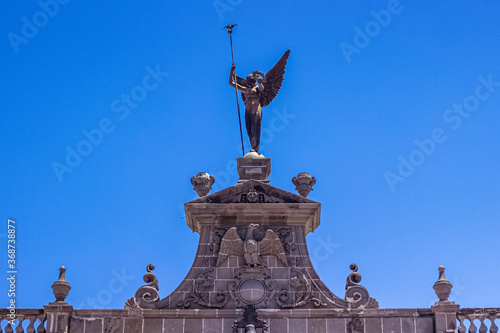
x: 233, y: 81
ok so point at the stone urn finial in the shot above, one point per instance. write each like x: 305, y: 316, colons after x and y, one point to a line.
x: 202, y: 183
x: 61, y: 288
x: 442, y: 287
x: 303, y: 183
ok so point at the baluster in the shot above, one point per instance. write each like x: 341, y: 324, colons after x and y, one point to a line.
x: 41, y: 326
x: 472, y: 328
x: 482, y: 328
x: 494, y: 327
x: 19, y: 328
x: 461, y: 326
x: 31, y: 326
x: 8, y: 328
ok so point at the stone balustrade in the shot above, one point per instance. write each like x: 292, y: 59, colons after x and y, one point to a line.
x: 472, y: 320
x: 469, y: 320
x: 27, y: 321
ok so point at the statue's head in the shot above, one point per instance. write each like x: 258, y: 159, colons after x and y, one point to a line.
x: 251, y: 80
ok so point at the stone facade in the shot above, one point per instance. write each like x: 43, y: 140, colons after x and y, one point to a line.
x: 252, y: 273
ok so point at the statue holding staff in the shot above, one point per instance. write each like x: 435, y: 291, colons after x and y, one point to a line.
x: 256, y: 96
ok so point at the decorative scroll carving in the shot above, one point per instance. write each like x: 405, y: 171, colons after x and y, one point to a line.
x: 356, y: 295
x: 217, y: 233
x: 286, y: 237
x: 299, y: 293
x: 204, y: 297
x: 354, y: 278
x: 146, y: 296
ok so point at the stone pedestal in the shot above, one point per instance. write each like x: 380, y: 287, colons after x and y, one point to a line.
x: 445, y: 316
x: 254, y: 168
x: 58, y: 317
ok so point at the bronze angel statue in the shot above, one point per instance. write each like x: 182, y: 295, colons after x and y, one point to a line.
x: 257, y: 96
x: 250, y: 249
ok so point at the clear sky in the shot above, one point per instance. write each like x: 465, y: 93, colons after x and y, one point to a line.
x: 393, y: 106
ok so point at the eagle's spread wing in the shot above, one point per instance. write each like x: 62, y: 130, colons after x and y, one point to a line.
x: 231, y: 245
x: 271, y: 244
x: 274, y: 79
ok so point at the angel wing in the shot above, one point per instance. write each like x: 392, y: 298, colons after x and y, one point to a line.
x: 271, y: 244
x: 231, y: 245
x: 274, y: 79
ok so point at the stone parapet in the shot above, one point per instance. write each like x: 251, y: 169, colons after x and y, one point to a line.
x: 221, y: 320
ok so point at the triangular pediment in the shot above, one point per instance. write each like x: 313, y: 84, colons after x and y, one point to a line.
x: 252, y: 191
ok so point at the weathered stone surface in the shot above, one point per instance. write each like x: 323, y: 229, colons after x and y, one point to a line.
x: 212, y: 325
x: 336, y: 325
x: 297, y: 325
x: 391, y: 325
x: 113, y: 325
x: 278, y: 325
x: 153, y: 325
x: 408, y: 324
x: 173, y: 325
x: 425, y: 325
x: 93, y: 325
x: 76, y: 325
x: 193, y: 325
x: 316, y: 325
x: 133, y: 325
x: 373, y: 325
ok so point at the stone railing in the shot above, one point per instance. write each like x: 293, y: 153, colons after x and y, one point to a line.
x: 27, y: 320
x: 478, y: 320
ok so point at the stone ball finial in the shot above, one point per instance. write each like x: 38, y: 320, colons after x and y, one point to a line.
x: 202, y: 183
x: 442, y: 287
x: 61, y: 288
x: 303, y: 183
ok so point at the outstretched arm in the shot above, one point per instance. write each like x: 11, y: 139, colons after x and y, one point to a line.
x: 233, y: 82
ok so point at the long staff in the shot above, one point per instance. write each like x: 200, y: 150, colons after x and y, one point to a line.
x: 230, y: 31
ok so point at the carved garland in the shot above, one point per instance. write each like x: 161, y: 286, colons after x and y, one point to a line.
x: 200, y: 295
x: 299, y: 293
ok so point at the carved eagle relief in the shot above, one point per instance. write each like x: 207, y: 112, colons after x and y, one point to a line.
x: 250, y: 249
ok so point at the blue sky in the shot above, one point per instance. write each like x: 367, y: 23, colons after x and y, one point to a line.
x: 392, y: 106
